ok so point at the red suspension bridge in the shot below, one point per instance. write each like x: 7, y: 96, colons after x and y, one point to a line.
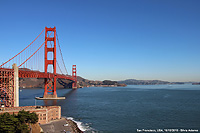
x: 40, y: 59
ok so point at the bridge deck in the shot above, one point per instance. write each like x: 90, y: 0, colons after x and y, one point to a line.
x: 38, y: 74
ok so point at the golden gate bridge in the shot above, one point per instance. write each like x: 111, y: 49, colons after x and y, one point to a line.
x: 40, y: 59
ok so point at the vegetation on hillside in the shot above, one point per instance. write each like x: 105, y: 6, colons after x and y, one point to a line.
x: 109, y: 82
x: 17, y: 123
x: 85, y: 82
x: 146, y: 82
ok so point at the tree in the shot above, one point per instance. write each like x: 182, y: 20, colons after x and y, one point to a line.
x: 27, y: 117
x: 7, y: 123
x: 33, y: 118
x: 17, y: 123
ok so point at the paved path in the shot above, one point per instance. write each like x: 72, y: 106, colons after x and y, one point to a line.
x: 57, y: 127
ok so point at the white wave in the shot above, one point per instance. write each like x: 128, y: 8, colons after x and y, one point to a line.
x: 83, y: 127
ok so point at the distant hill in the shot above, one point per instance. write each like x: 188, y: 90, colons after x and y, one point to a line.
x: 146, y: 82
x: 196, y: 83
x: 64, y: 83
x: 87, y: 83
x: 39, y: 83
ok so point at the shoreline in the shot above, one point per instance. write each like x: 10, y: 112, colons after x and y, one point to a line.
x: 74, y: 126
x: 57, y: 126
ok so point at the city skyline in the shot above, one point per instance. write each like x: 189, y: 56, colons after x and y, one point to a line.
x: 115, y: 39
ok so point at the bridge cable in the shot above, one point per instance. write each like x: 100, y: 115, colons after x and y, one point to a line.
x: 59, y: 67
x: 56, y: 60
x: 22, y: 50
x: 61, y: 53
x: 34, y: 52
x: 61, y: 56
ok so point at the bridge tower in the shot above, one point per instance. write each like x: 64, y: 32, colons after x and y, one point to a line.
x: 74, y: 84
x: 50, y: 84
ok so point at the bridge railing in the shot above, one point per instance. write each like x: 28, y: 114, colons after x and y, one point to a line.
x: 38, y: 74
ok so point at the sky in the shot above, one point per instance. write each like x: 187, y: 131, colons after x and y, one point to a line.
x: 111, y: 39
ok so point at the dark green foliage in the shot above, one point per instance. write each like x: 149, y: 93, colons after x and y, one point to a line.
x: 33, y: 118
x: 6, y: 123
x: 27, y: 117
x: 17, y: 123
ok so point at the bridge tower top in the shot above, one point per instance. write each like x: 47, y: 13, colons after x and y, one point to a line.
x: 50, y: 49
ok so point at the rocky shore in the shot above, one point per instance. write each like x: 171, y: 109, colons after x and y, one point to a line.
x: 74, y: 126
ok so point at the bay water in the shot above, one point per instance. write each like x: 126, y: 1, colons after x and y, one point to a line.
x: 135, y: 108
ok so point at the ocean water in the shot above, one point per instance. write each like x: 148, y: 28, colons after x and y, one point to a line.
x: 127, y: 109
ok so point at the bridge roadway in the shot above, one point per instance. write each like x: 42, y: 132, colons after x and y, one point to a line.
x: 38, y: 74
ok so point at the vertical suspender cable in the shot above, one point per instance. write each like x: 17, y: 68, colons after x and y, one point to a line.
x: 61, y: 54
x: 22, y: 50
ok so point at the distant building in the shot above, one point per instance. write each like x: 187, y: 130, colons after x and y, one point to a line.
x: 45, y: 113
